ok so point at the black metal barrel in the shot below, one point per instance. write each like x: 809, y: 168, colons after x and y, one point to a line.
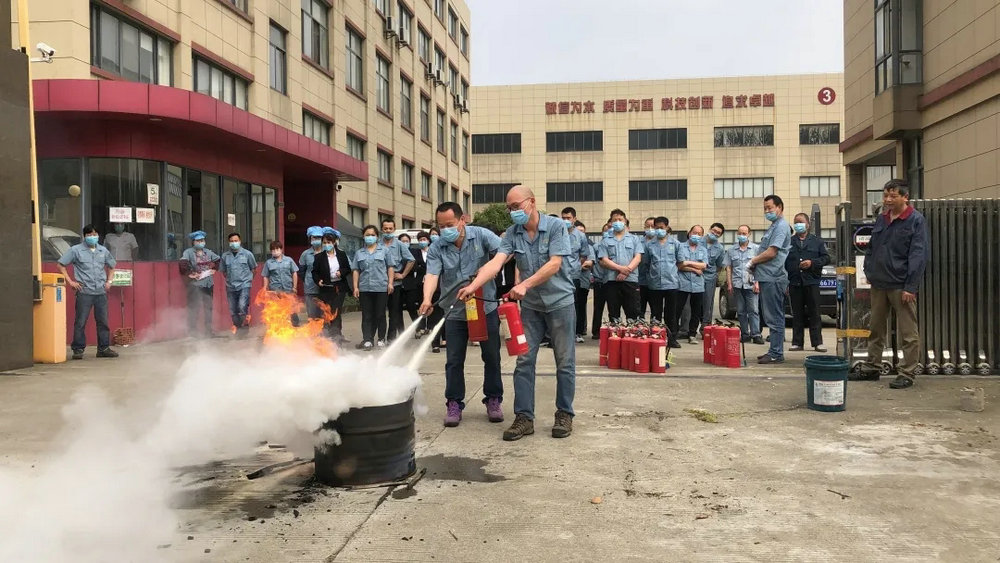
x: 376, y: 446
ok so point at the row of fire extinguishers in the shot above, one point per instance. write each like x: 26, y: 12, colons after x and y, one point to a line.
x: 722, y: 346
x: 511, y: 329
x: 635, y: 346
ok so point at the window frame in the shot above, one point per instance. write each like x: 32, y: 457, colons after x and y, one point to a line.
x: 98, y: 13
x: 277, y: 57
x: 355, y: 54
x: 425, y: 119
x: 383, y: 84
x: 310, y: 41
x: 405, y: 102
x: 496, y: 143
x: 722, y: 185
x: 487, y: 193
x: 354, y: 145
x: 442, y: 141
x: 384, y: 162
x: 574, y: 191
x: 311, y: 121
x: 657, y: 139
x: 574, y: 141
x: 729, y: 136
x: 425, y: 185
x: 808, y: 183
x: 463, y: 44
x: 672, y: 189
x: 213, y: 70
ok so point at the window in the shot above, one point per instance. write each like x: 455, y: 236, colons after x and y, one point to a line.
x: 750, y: 136
x: 384, y: 167
x: 824, y: 134
x: 315, y: 37
x: 574, y: 141
x: 425, y: 118
x: 490, y: 193
x: 466, y: 201
x: 496, y: 143
x: 453, y: 83
x: 454, y: 142
x: 574, y: 191
x: 454, y: 194
x: 915, y: 172
x: 643, y: 190
x: 425, y: 185
x: 277, y: 59
x: 439, y: 59
x: 120, y: 47
x: 464, y: 41
x: 442, y: 189
x: 405, y: 103
x: 315, y: 128
x: 219, y: 83
x: 423, y: 45
x: 240, y: 4
x: 382, y: 6
x: 465, y: 150
x: 382, y: 97
x: 439, y: 9
x: 875, y: 180
x: 898, y: 43
x: 356, y: 215
x: 407, y: 177
x: 465, y: 90
x: 405, y: 24
x: 440, y: 131
x: 452, y: 24
x: 407, y: 223
x: 819, y: 186
x: 355, y: 61
x: 355, y: 147
x: 736, y: 188
x: 649, y: 139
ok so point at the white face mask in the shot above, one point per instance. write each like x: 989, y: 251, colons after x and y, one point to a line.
x: 276, y: 253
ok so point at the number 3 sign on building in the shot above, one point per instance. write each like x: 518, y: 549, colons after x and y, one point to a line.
x: 826, y: 96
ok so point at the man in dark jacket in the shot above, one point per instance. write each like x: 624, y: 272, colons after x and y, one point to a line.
x: 804, y: 264
x: 894, y: 268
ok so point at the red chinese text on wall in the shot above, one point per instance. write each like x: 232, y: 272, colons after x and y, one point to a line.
x: 680, y: 103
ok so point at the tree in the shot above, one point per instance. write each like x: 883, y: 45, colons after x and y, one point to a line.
x: 494, y: 215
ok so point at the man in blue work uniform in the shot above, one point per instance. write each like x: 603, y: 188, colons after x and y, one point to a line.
x: 663, y: 277
x: 692, y: 259
x: 93, y: 268
x: 769, y: 269
x: 199, y: 264
x: 581, y: 261
x: 742, y: 286
x: 541, y: 246
x: 620, y: 255
x: 402, y: 260
x: 306, y: 261
x: 716, y: 262
x: 649, y: 230
x: 600, y: 297
x: 238, y: 265
x: 451, y: 260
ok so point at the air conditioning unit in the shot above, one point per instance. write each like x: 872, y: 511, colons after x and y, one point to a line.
x: 465, y: 105
x: 438, y: 76
x: 457, y: 99
x: 429, y: 70
x: 390, y: 26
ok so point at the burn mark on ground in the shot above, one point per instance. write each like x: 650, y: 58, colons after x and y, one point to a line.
x: 447, y: 468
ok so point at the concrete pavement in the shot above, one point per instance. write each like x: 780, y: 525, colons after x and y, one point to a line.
x: 901, y: 475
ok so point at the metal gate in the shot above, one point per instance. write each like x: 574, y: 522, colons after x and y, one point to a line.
x: 958, y: 307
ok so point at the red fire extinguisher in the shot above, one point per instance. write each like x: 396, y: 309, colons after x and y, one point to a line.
x: 641, y: 350
x: 602, y: 359
x: 658, y: 355
x: 719, y: 346
x: 511, y: 329
x: 707, y: 344
x: 627, y: 361
x: 733, y: 347
x: 475, y: 317
x: 614, y: 351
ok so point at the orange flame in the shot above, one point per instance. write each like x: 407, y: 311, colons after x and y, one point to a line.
x: 277, y: 312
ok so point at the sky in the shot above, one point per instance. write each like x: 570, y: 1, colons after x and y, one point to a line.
x: 543, y: 41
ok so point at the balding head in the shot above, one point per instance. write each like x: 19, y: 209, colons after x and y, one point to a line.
x: 518, y: 193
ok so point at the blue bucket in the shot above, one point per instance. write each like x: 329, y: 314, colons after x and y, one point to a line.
x: 826, y: 383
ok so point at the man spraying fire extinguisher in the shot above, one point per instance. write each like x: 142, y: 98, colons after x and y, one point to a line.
x: 541, y: 247
x: 452, y: 259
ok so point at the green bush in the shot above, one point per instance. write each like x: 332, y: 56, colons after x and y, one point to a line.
x: 494, y: 215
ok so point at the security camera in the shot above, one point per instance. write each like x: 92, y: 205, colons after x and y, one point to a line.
x: 339, y: 187
x: 46, y: 51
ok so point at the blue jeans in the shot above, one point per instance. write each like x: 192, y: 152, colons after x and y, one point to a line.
x: 746, y: 311
x: 772, y: 303
x: 454, y: 367
x: 239, y: 304
x: 84, y: 303
x: 561, y: 326
x: 708, y: 300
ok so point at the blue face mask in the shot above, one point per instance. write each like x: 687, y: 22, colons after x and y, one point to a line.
x: 234, y: 245
x: 771, y: 216
x: 799, y: 228
x: 661, y: 233
x: 370, y: 239
x: 568, y: 223
x: 742, y: 238
x: 388, y: 236
x: 694, y: 239
x: 199, y: 245
x: 435, y: 237
x: 423, y: 244
x: 519, y: 217
x: 328, y: 247
x: 650, y: 233
x: 618, y: 226
x: 712, y: 237
x: 90, y: 240
x: 316, y: 242
x: 450, y: 234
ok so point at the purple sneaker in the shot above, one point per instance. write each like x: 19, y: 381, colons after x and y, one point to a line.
x: 493, y: 410
x: 454, y: 415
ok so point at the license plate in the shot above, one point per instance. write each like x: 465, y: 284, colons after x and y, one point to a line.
x: 828, y: 282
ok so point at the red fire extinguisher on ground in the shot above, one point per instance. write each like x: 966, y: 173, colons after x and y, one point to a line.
x: 511, y: 329
x: 614, y: 351
x: 627, y: 360
x: 602, y: 359
x: 641, y: 351
x: 719, y: 346
x: 658, y: 355
x: 707, y: 344
x: 733, y: 347
x: 475, y: 317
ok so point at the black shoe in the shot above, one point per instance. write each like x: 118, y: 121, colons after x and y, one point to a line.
x: 595, y: 337
x: 864, y: 372
x: 106, y: 353
x: 77, y: 354
x: 674, y: 344
x: 901, y: 382
x: 758, y: 340
x: 744, y: 339
x: 770, y: 360
x: 436, y: 349
x: 762, y: 356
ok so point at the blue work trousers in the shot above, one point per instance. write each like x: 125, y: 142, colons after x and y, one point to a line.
x: 560, y: 325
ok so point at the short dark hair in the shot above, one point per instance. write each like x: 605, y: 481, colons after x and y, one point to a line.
x: 450, y: 206
x: 388, y: 220
x: 90, y: 228
x: 720, y: 225
x: 797, y: 215
x: 553, y: 215
x: 579, y: 223
x: 616, y: 211
x: 749, y: 230
x: 401, y: 235
x: 233, y: 234
x: 433, y: 231
x: 423, y: 234
x: 276, y: 245
x: 653, y: 219
x: 569, y: 210
x: 661, y: 219
x: 776, y: 200
x: 901, y: 187
x: 364, y: 230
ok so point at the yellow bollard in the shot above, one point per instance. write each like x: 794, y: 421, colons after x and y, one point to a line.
x: 50, y: 321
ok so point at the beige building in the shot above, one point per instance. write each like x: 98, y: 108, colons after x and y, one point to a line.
x: 697, y: 151
x: 922, y: 98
